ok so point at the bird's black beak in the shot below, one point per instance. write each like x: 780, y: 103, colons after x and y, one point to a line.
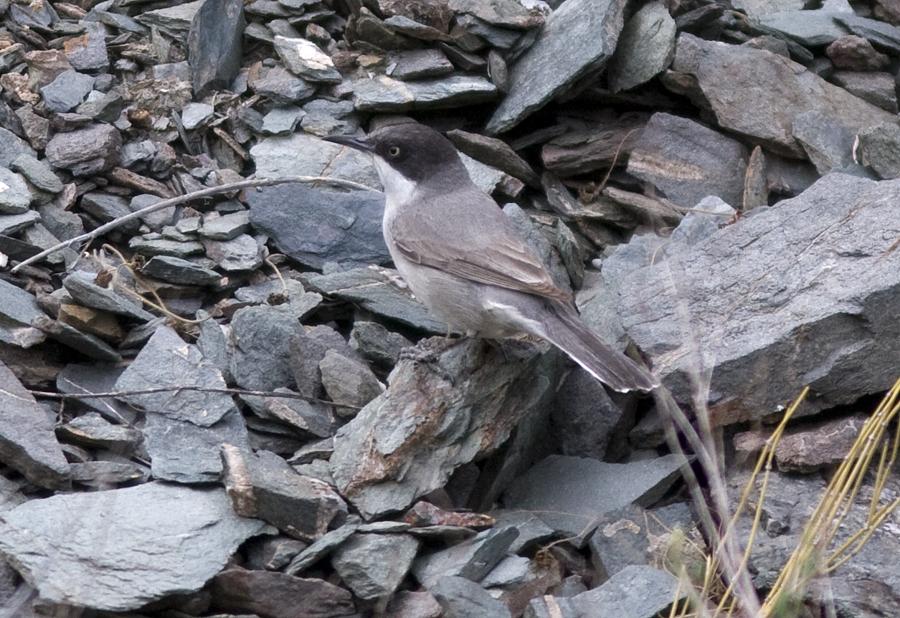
x: 359, y: 143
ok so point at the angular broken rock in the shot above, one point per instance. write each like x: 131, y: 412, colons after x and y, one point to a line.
x: 167, y: 361
x: 183, y: 452
x: 304, y: 59
x: 86, y: 151
x: 278, y: 595
x: 577, y: 38
x: 266, y: 487
x: 378, y: 291
x: 348, y: 381
x: 27, y: 443
x: 374, y: 565
x: 384, y: 94
x: 570, y: 493
x: 214, y: 44
x: 18, y: 309
x: 718, y: 70
x: 181, y: 539
x: 314, y: 226
x: 637, y: 591
x: 805, y: 305
x: 85, y: 290
x: 688, y: 161
x: 93, y: 430
x: 472, y: 559
x: 262, y: 337
x: 409, y: 440
x: 462, y: 598
x: 645, y: 49
x: 301, y: 154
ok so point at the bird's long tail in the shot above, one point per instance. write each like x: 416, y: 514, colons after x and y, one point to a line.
x: 566, y: 331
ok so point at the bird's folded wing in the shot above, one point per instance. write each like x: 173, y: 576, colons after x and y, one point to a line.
x: 478, y: 248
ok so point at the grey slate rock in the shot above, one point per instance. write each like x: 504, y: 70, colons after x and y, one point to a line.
x: 175, y: 20
x: 348, y: 381
x: 377, y: 292
x: 510, y: 572
x: 282, y: 120
x: 418, y: 64
x: 92, y: 430
x: 166, y: 360
x: 882, y: 35
x: 764, y: 77
x: 264, y: 486
x: 18, y: 309
x: 214, y: 45
x: 182, y: 452
x: 645, y: 49
x: 339, y: 227
x: 95, y: 378
x: 240, y: 254
x: 472, y: 559
x: 11, y: 146
x: 462, y: 598
x: 307, y: 349
x: 879, y: 148
x: 105, y: 207
x: 809, y: 28
x: 323, y: 546
x: 195, y: 115
x: 532, y: 530
x: 13, y: 224
x: 828, y: 144
x: 586, y: 422
x: 494, y: 152
x: 816, y: 228
x: 278, y: 595
x: 261, y: 337
x: 89, y: 345
x: 281, y: 86
x: 636, y: 592
x: 503, y: 13
x: 386, y: 457
x: 84, y: 289
x: 304, y: 59
x: 154, y: 244
x: 171, y: 550
x: 688, y: 161
x: 15, y: 197
x: 225, y: 227
x: 569, y: 493
x: 374, y: 565
x: 577, y: 38
x: 308, y: 417
x: 876, y: 88
x: 385, y: 94
x: 86, y: 151
x: 409, y: 604
x: 88, y: 52
x: 107, y: 474
x: 305, y: 155
x: 37, y: 173
x: 288, y: 296
x: 67, y: 91
x: 27, y: 443
x: 323, y: 117
x: 177, y: 270
x: 376, y: 343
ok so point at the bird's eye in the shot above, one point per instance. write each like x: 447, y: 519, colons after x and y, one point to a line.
x: 394, y: 151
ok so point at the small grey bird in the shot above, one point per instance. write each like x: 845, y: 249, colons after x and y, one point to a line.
x: 467, y: 263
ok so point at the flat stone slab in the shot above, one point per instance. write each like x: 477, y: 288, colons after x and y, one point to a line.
x: 577, y: 38
x: 802, y: 293
x: 385, y: 94
x: 27, y: 441
x: 121, y: 549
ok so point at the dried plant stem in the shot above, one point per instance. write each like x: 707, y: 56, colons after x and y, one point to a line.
x: 182, y: 199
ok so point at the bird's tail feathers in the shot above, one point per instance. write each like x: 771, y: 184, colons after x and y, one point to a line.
x: 567, y: 332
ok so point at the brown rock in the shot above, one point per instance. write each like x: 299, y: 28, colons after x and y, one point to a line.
x: 756, y: 187
x: 91, y: 321
x: 855, y: 53
x: 434, y: 13
x: 606, y: 143
x: 278, y: 595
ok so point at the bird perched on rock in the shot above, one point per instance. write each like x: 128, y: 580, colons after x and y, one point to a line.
x: 467, y: 263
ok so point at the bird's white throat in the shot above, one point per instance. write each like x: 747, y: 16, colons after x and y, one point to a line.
x: 398, y: 189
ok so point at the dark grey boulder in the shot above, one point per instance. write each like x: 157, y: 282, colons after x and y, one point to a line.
x: 175, y: 549
x: 214, y: 44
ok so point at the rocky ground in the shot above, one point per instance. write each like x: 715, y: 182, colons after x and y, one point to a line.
x: 714, y: 179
